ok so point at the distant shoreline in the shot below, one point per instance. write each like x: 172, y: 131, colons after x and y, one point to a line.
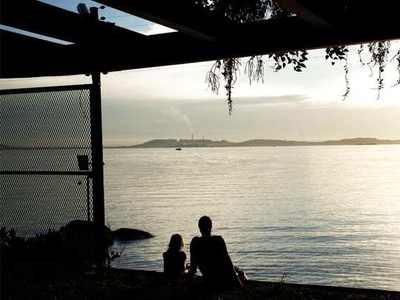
x: 187, y: 143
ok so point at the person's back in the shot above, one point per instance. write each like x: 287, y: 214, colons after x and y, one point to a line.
x: 210, y: 255
x: 175, y: 258
x: 174, y: 263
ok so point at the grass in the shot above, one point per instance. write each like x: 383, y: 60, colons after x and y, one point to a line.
x: 49, y: 280
x: 58, y: 265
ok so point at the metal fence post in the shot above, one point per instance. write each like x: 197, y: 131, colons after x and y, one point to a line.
x: 97, y: 151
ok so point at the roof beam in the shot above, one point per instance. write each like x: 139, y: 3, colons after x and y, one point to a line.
x: 51, y: 21
x: 42, y: 59
x: 110, y: 53
x: 343, y: 13
x: 176, y: 14
x: 177, y: 48
x: 271, y: 37
x: 37, y: 17
x: 304, y: 12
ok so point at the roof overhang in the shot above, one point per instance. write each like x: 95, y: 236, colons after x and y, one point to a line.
x: 201, y: 35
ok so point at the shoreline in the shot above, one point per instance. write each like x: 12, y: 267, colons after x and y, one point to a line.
x: 195, y: 143
x: 49, y: 280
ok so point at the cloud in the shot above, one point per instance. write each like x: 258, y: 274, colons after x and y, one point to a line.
x: 270, y: 100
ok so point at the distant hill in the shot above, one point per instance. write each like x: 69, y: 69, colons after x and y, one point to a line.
x: 172, y: 143
x: 361, y: 141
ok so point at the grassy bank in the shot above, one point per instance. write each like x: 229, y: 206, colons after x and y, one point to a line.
x: 56, y: 281
x: 56, y: 266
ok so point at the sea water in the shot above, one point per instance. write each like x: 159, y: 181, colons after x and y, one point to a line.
x: 325, y: 215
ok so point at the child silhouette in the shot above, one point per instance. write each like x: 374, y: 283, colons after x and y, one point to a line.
x: 175, y: 265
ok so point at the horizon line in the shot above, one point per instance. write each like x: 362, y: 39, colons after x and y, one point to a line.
x: 248, y: 140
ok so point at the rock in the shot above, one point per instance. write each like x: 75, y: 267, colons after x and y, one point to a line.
x: 128, y: 234
x: 88, y: 232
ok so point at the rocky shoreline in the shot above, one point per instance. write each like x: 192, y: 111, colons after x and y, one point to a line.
x: 64, y: 265
x: 47, y: 280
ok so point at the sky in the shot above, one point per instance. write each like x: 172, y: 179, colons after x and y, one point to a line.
x: 175, y: 101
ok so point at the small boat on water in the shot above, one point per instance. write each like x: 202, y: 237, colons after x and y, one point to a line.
x: 178, y: 149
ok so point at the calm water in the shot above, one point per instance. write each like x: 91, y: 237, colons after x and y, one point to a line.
x: 323, y: 215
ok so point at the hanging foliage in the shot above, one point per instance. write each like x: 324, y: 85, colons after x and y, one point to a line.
x: 397, y: 58
x: 295, y: 58
x: 245, y: 11
x: 255, y: 68
x: 338, y: 53
x: 229, y: 69
x: 379, y: 56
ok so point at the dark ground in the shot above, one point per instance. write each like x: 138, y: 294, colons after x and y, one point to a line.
x: 56, y: 281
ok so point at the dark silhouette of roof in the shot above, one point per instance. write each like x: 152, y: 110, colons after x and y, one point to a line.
x: 201, y: 35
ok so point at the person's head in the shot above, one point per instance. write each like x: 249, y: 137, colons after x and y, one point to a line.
x: 176, y: 242
x: 205, y: 225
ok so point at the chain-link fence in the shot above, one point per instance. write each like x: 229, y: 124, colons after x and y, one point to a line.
x: 45, y: 154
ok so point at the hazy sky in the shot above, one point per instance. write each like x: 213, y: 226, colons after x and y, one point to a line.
x: 175, y: 102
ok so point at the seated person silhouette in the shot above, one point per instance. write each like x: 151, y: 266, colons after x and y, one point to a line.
x: 210, y: 255
x: 175, y: 265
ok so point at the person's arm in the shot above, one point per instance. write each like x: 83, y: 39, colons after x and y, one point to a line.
x: 185, y: 265
x: 222, y: 250
x: 193, y: 257
x: 228, y: 263
x: 164, y: 258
